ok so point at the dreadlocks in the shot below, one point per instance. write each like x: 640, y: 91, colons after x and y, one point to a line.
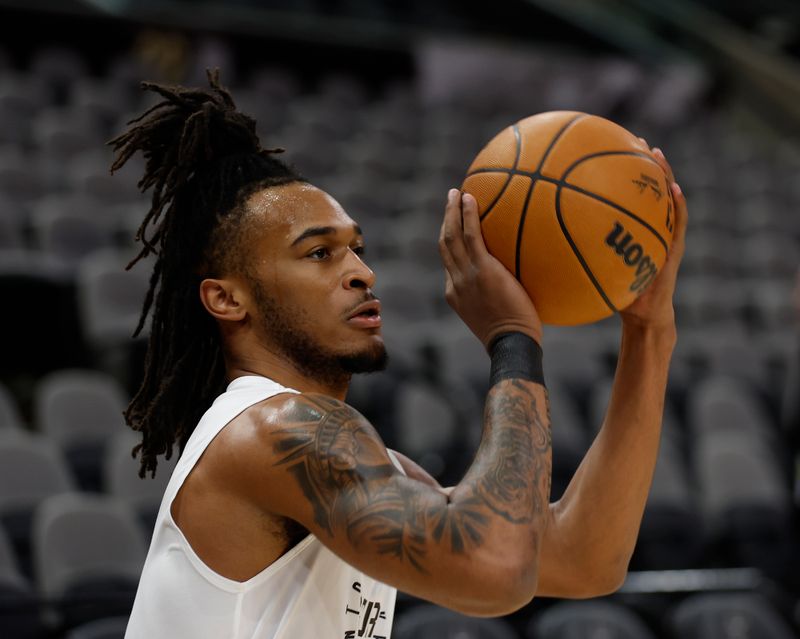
x: 202, y: 160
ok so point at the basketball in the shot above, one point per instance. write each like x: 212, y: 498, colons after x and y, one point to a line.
x: 577, y: 208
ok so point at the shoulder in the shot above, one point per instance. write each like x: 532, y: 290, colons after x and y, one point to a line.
x: 302, y: 428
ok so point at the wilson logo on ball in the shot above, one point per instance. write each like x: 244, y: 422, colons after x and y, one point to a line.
x: 633, y: 255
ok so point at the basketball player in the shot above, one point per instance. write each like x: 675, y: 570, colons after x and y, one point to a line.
x: 286, y: 516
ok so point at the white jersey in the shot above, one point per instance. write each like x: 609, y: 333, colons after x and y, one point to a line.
x: 307, y: 593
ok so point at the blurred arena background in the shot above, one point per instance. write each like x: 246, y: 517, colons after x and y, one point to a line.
x: 384, y: 104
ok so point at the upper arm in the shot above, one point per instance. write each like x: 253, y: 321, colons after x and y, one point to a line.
x: 322, y: 464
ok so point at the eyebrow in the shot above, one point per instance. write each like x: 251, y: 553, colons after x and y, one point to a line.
x: 321, y: 230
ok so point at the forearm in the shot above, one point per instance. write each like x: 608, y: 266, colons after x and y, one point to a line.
x: 509, y: 481
x: 598, y: 517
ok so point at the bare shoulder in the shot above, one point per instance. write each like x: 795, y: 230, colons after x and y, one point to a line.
x: 314, y: 428
x: 318, y: 442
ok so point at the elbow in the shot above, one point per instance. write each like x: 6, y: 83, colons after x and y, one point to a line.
x: 506, y: 592
x: 603, y: 581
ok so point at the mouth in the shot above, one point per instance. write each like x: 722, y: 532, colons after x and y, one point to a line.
x: 366, y: 315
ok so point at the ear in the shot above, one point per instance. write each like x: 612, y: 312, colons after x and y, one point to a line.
x: 223, y: 299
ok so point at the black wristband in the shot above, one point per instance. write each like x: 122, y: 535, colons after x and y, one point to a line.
x: 515, y: 356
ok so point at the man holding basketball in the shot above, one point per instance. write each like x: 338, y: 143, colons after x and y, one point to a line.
x: 286, y: 516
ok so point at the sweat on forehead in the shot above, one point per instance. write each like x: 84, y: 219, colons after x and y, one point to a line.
x: 294, y: 205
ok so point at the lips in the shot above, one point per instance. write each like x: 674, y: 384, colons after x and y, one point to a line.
x: 366, y: 315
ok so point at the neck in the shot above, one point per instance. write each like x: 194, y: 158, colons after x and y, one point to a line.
x: 268, y: 362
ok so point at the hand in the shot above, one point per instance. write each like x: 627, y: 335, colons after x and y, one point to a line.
x: 478, y: 287
x: 654, y: 307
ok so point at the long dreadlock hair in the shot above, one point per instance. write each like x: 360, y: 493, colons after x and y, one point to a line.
x: 202, y: 160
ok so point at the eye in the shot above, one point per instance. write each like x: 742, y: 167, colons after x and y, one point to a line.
x: 359, y: 250
x: 320, y: 253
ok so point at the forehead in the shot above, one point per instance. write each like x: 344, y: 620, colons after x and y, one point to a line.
x: 283, y: 212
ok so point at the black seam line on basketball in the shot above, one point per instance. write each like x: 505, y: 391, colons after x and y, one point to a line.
x: 521, y: 227
x: 599, y: 154
x: 518, y: 138
x: 550, y: 146
x: 556, y: 138
x: 578, y: 255
x: 560, y: 183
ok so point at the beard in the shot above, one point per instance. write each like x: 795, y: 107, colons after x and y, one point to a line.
x: 285, y: 329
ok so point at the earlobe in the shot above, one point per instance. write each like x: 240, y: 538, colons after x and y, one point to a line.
x: 221, y: 299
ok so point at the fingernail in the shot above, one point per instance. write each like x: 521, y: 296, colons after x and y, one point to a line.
x: 451, y: 194
x: 465, y: 197
x: 677, y: 188
x: 658, y: 151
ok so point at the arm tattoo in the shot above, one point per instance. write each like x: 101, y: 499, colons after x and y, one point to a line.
x: 342, y: 467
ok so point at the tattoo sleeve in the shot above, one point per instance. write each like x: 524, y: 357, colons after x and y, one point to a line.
x: 343, y: 469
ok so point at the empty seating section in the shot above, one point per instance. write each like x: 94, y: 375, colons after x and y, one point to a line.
x: 74, y: 515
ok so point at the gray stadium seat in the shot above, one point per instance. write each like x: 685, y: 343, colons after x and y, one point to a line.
x: 570, y: 438
x: 20, y: 99
x: 20, y: 180
x: 88, y: 174
x: 71, y: 237
x: 461, y: 355
x: 771, y: 255
x: 88, y: 555
x: 111, y: 628
x: 58, y: 68
x: 10, y: 228
x: 727, y: 616
x: 9, y: 413
x: 743, y: 485
x: 426, y: 425
x: 433, y: 622
x: 701, y: 301
x: 121, y: 478
x: 19, y: 606
x: 772, y: 304
x: 573, y: 357
x: 81, y: 410
x: 31, y: 469
x: 110, y: 298
x: 588, y: 620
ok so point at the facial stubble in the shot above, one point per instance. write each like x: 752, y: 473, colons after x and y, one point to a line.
x: 286, y: 329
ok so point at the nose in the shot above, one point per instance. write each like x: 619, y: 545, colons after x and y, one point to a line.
x: 358, y: 275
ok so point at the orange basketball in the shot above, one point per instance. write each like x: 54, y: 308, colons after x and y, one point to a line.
x: 577, y: 208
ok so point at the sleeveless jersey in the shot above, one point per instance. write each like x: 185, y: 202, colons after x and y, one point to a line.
x: 308, y: 592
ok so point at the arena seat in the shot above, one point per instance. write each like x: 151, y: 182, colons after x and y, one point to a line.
x: 32, y: 468
x: 109, y: 628
x: 20, y: 180
x: 88, y: 555
x: 425, y: 425
x: 110, y: 298
x: 433, y: 622
x: 121, y: 478
x: 19, y: 606
x: 727, y: 615
x: 595, y: 619
x: 9, y: 413
x: 70, y: 237
x: 569, y: 437
x: 57, y: 67
x: 80, y: 411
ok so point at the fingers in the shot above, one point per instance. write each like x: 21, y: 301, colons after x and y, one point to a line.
x: 460, y: 238
x: 681, y: 217
x: 473, y: 237
x: 451, y: 245
x: 659, y: 156
x: 662, y: 161
x: 679, y: 236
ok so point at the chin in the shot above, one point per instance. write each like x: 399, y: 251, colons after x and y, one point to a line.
x: 368, y: 360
